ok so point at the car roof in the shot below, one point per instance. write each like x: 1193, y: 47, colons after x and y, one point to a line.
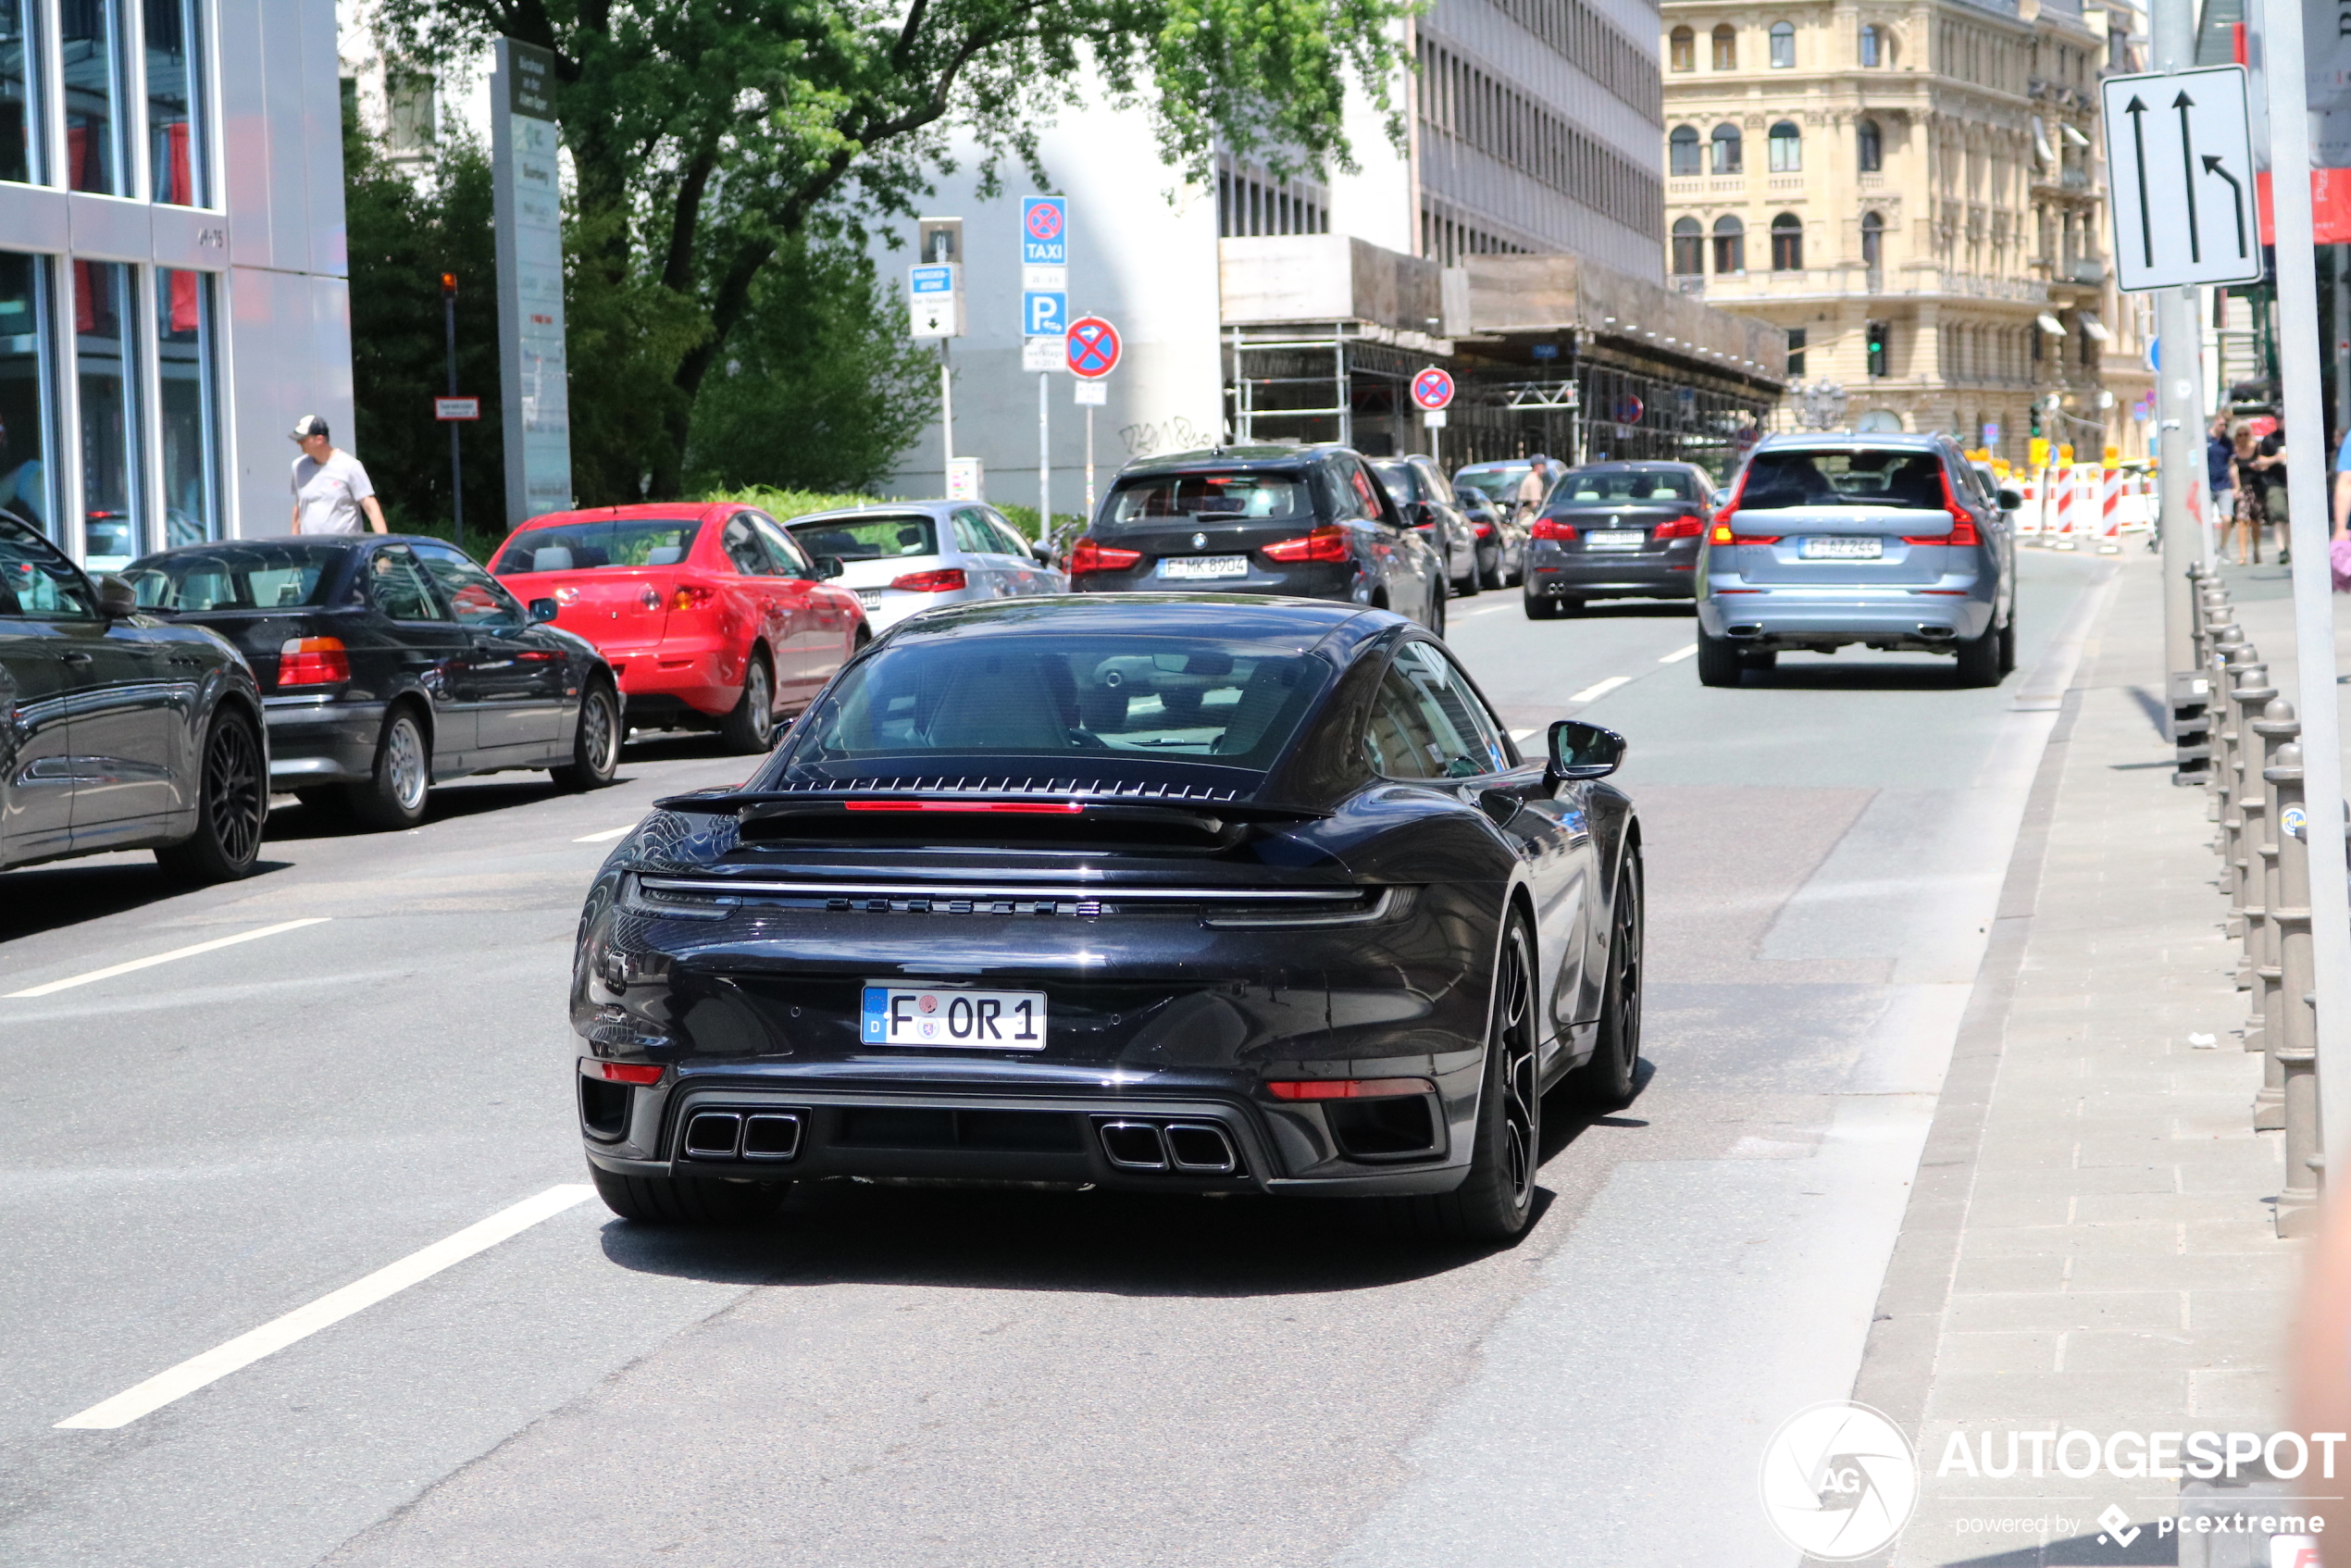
x: 1271, y: 458
x: 935, y: 510
x: 1651, y: 465
x: 701, y: 511
x: 314, y: 541
x: 1240, y: 618
x: 1839, y: 440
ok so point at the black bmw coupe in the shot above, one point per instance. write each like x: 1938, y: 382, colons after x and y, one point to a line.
x: 1168, y: 893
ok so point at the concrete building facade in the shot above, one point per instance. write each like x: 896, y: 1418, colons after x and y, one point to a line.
x: 1914, y: 191
x: 173, y: 291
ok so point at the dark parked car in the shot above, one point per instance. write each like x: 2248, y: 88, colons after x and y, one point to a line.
x: 1172, y: 893
x: 1501, y: 537
x: 1426, y: 501
x: 1310, y: 521
x: 119, y: 730
x: 1617, y: 531
x: 386, y: 663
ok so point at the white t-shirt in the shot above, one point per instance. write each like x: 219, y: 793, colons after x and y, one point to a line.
x: 329, y: 493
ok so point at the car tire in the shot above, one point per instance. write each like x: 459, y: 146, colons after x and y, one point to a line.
x: 401, y: 782
x: 232, y: 805
x: 1610, y: 1077
x: 1437, y: 608
x: 1718, y: 661
x: 1980, y: 659
x: 1539, y: 607
x: 750, y: 726
x: 1489, y: 569
x: 1496, y: 1200
x: 2007, y: 644
x: 1467, y: 586
x: 1758, y: 658
x: 595, y: 742
x: 325, y: 803
x: 688, y: 1200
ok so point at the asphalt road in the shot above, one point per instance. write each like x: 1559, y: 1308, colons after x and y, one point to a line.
x: 196, y: 1148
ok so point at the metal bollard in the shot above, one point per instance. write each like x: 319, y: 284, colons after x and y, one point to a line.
x: 2264, y: 1028
x: 2242, y: 663
x: 2251, y: 693
x: 2297, y: 1049
x: 2230, y: 640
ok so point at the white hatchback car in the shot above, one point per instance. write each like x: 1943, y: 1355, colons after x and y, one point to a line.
x: 904, y: 556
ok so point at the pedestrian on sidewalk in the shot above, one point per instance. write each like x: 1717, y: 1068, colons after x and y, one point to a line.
x: 2339, y: 538
x: 2257, y: 470
x: 329, y: 485
x: 2219, y: 471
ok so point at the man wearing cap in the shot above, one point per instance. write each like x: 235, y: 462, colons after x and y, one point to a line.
x: 330, y: 487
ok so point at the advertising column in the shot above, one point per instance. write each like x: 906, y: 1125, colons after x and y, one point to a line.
x: 532, y: 372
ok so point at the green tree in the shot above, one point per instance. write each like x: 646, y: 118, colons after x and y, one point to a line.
x: 711, y: 138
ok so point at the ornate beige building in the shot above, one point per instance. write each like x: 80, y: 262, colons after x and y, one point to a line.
x: 1914, y: 190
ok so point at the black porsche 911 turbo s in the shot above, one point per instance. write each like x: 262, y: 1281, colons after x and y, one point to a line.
x: 1165, y: 894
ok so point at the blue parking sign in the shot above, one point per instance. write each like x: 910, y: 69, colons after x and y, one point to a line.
x: 1044, y: 232
x: 1043, y: 314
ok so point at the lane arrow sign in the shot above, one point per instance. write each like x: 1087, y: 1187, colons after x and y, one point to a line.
x: 2137, y: 111
x: 2236, y: 196
x: 2187, y: 162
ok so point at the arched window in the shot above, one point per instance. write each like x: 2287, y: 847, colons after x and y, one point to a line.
x: 1788, y: 244
x: 1730, y: 245
x: 1870, y: 142
x: 1872, y: 240
x: 1684, y: 49
x: 1872, y: 46
x: 1689, y: 247
x: 1681, y: 151
x: 1726, y: 47
x: 1726, y: 149
x: 1787, y: 148
x: 1783, y: 45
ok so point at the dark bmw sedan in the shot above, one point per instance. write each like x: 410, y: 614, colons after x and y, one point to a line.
x: 1313, y: 522
x: 387, y: 663
x: 119, y: 730
x: 1181, y: 894
x: 1616, y: 530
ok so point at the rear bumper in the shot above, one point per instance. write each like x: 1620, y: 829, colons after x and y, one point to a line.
x: 696, y: 672
x: 1668, y: 573
x: 1830, y: 617
x: 314, y: 740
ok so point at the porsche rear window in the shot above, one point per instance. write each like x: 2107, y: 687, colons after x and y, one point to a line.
x: 234, y: 577
x: 1240, y: 494
x: 1083, y: 699
x: 611, y: 541
x: 1907, y: 479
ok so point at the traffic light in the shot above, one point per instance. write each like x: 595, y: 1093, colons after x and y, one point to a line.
x: 449, y: 285
x: 1875, y: 342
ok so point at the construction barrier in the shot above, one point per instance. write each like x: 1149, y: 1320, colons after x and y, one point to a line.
x: 2109, y: 513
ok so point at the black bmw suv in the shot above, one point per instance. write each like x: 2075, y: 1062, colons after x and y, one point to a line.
x: 1309, y: 522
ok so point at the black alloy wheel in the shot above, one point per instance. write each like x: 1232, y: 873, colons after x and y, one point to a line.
x: 688, y: 1201
x: 396, y: 789
x: 749, y: 727
x: 595, y: 742
x: 1718, y: 661
x: 1496, y: 1200
x: 1607, y: 1081
x: 233, y: 804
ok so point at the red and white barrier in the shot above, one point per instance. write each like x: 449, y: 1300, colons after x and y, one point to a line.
x: 2110, y: 513
x: 2028, y: 512
x: 2061, y: 533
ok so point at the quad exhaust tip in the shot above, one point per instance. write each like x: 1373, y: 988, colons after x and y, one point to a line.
x: 738, y: 1135
x: 1185, y: 1148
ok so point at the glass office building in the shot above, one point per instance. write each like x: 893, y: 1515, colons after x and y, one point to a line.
x: 172, y: 284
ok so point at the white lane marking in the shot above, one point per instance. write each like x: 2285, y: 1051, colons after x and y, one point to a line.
x: 1601, y: 688
x: 109, y: 972
x: 328, y: 1309
x: 1679, y: 653
x: 606, y: 834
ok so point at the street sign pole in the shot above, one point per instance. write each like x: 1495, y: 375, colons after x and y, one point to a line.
x: 457, y: 463
x: 2179, y: 402
x: 2313, y: 584
x: 946, y: 412
x: 1044, y: 454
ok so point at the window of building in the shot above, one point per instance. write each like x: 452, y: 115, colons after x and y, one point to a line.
x: 413, y: 126
x: 1869, y: 143
x: 1870, y: 46
x: 1872, y: 240
x: 1730, y: 245
x: 186, y: 404
x: 175, y: 157
x: 1726, y: 47
x: 1783, y: 45
x: 1681, y: 151
x: 1726, y: 149
x: 107, y: 381
x: 92, y: 49
x: 1788, y: 244
x: 1787, y: 148
x: 1684, y: 49
x: 1689, y: 247
x: 1795, y: 345
x: 1875, y: 342
x: 19, y: 113
x: 26, y: 381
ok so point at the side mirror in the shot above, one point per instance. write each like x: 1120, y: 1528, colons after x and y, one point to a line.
x: 1041, y: 551
x: 829, y: 568
x: 1584, y: 750
x: 544, y: 610
x: 2009, y: 500
x: 116, y: 598
x: 1419, y: 514
x: 1718, y: 500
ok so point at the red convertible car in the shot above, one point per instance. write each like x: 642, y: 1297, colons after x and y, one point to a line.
x: 710, y: 614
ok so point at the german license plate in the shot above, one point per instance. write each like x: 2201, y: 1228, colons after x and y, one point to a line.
x: 949, y: 1015
x: 1841, y: 547
x: 1194, y: 569
x: 1616, y: 539
x: 870, y: 598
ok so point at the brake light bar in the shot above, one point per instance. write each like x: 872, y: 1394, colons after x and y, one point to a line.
x: 1088, y: 556
x: 1347, y: 1089
x: 1327, y: 544
x: 313, y: 661
x: 1008, y: 808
